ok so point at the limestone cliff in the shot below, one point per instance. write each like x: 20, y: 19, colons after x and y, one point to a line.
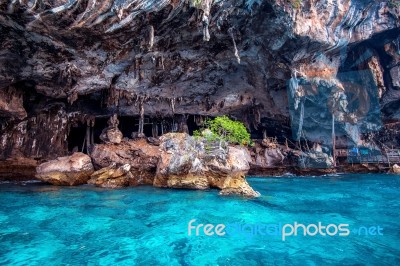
x: 162, y: 65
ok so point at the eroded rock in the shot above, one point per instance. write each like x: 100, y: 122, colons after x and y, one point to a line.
x: 396, y: 169
x: 198, y: 164
x: 112, y: 134
x: 113, y: 177
x: 140, y: 155
x: 66, y: 171
x: 11, y: 104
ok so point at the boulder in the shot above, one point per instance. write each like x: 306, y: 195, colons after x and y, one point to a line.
x: 111, y: 135
x: 113, y: 176
x: 396, y: 169
x: 141, y: 156
x: 191, y: 163
x: 315, y: 159
x: 66, y: 171
x: 273, y: 157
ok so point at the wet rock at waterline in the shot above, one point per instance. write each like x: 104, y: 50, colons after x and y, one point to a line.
x: 66, y: 171
x: 165, y: 66
x: 181, y: 161
x: 396, y: 169
x: 186, y: 162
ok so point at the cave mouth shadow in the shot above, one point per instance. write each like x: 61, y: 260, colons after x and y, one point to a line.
x: 127, y: 125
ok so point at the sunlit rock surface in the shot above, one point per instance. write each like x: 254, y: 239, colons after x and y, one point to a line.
x: 113, y: 177
x: 200, y: 164
x: 141, y: 156
x: 66, y: 171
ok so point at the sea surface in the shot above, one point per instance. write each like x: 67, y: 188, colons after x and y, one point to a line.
x: 46, y: 225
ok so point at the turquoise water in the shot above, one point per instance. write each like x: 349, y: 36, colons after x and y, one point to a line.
x: 45, y: 225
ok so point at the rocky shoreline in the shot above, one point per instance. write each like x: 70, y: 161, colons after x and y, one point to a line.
x: 175, y: 160
x: 295, y: 72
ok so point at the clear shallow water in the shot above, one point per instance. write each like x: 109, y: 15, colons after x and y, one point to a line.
x: 45, y: 225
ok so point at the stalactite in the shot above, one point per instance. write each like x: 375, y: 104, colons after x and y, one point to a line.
x: 120, y: 13
x: 222, y: 19
x: 141, y: 118
x: 206, y: 33
x: 293, y: 87
x: 235, y: 50
x: 154, y: 129
x: 60, y: 9
x: 97, y: 9
x: 35, y: 6
x: 92, y: 133
x: 172, y: 103
x: 162, y: 62
x: 88, y: 138
x: 83, y: 144
x: 257, y: 117
x: 151, y: 37
x: 301, y: 118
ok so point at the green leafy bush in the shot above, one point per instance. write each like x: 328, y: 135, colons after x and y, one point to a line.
x: 226, y: 129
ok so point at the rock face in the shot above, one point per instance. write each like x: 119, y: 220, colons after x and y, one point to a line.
x: 66, y: 171
x: 197, y: 164
x: 68, y: 66
x: 138, y: 154
x: 112, y: 134
x: 113, y: 177
x: 11, y: 103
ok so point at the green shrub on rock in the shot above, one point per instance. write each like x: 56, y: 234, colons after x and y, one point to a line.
x: 224, y: 128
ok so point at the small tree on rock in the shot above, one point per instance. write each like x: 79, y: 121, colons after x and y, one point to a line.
x: 231, y: 131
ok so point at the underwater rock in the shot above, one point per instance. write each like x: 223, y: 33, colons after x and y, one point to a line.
x: 198, y: 164
x: 66, y: 171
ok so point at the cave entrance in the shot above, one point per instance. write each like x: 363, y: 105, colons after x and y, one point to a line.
x: 127, y: 125
x: 130, y: 124
x: 192, y: 124
x: 76, y: 138
x: 99, y: 125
